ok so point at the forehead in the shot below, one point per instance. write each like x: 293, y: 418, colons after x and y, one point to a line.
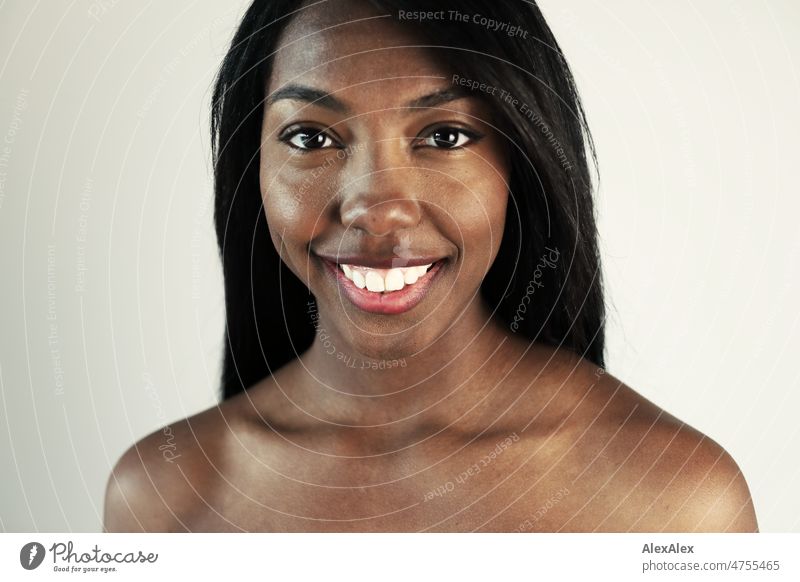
x: 349, y: 45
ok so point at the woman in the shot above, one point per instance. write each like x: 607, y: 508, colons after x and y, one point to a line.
x: 414, y: 306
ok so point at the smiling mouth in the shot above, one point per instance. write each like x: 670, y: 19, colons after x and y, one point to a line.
x: 383, y: 280
x: 387, y: 291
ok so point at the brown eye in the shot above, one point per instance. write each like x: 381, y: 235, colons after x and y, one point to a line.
x: 309, y: 138
x: 449, y: 138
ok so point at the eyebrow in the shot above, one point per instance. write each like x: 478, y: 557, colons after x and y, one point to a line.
x: 325, y: 99
x: 309, y: 94
x: 438, y: 98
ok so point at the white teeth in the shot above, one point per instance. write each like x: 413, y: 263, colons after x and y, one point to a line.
x: 375, y: 282
x: 394, y: 280
x: 358, y: 279
x: 380, y: 280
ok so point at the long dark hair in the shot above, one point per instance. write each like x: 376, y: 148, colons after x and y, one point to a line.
x: 552, y: 298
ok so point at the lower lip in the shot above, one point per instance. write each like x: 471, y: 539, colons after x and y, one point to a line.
x: 390, y: 303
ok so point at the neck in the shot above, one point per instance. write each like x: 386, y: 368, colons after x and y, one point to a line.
x: 434, y: 385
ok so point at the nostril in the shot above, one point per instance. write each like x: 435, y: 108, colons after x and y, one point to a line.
x: 381, y: 218
x: 352, y: 215
x: 375, y: 225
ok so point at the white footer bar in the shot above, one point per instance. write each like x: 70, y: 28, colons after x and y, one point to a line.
x: 390, y: 557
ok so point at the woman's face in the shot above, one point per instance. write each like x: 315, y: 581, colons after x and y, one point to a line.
x: 373, y: 166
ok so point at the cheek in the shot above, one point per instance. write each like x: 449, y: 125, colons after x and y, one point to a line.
x: 478, y: 214
x: 283, y: 212
x: 485, y: 232
x: 294, y: 204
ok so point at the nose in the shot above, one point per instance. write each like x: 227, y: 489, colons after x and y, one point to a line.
x: 379, y: 199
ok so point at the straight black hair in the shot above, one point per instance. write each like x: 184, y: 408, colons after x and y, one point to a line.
x: 546, y: 280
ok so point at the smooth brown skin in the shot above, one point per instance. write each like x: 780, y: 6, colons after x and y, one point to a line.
x: 326, y: 447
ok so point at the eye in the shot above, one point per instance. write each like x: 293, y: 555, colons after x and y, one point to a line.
x: 449, y: 138
x: 308, y: 138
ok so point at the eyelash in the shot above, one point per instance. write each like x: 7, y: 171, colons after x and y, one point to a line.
x: 472, y: 136
x: 290, y: 133
x: 295, y: 131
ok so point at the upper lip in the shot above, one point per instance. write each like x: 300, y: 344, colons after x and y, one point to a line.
x: 373, y: 262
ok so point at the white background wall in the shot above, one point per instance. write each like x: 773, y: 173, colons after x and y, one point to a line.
x: 111, y: 313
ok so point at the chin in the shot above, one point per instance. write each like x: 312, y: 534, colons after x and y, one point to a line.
x: 382, y: 342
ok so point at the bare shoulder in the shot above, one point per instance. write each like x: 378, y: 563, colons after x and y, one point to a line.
x: 675, y: 477
x: 642, y: 469
x: 167, y: 476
